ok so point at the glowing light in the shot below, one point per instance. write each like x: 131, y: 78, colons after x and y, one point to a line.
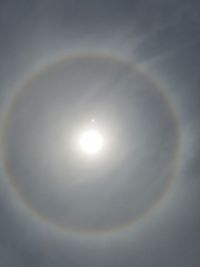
x: 91, y: 142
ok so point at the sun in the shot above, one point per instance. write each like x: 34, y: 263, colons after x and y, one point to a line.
x: 91, y: 141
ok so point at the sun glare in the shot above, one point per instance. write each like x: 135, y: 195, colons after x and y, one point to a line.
x: 91, y: 142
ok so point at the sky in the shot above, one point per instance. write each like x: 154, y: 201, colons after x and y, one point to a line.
x: 133, y: 68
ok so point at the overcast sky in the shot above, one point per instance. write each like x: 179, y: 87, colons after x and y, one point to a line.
x: 134, y: 67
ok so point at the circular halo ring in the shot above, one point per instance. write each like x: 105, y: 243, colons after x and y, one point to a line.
x: 8, y: 173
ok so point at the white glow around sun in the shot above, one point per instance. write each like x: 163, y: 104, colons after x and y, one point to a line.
x: 91, y: 141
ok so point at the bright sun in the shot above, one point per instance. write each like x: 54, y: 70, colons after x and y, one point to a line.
x: 91, y: 141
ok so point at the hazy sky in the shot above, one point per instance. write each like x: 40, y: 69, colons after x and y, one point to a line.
x: 134, y: 67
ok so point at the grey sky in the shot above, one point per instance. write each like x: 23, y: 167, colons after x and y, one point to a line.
x: 153, y: 109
